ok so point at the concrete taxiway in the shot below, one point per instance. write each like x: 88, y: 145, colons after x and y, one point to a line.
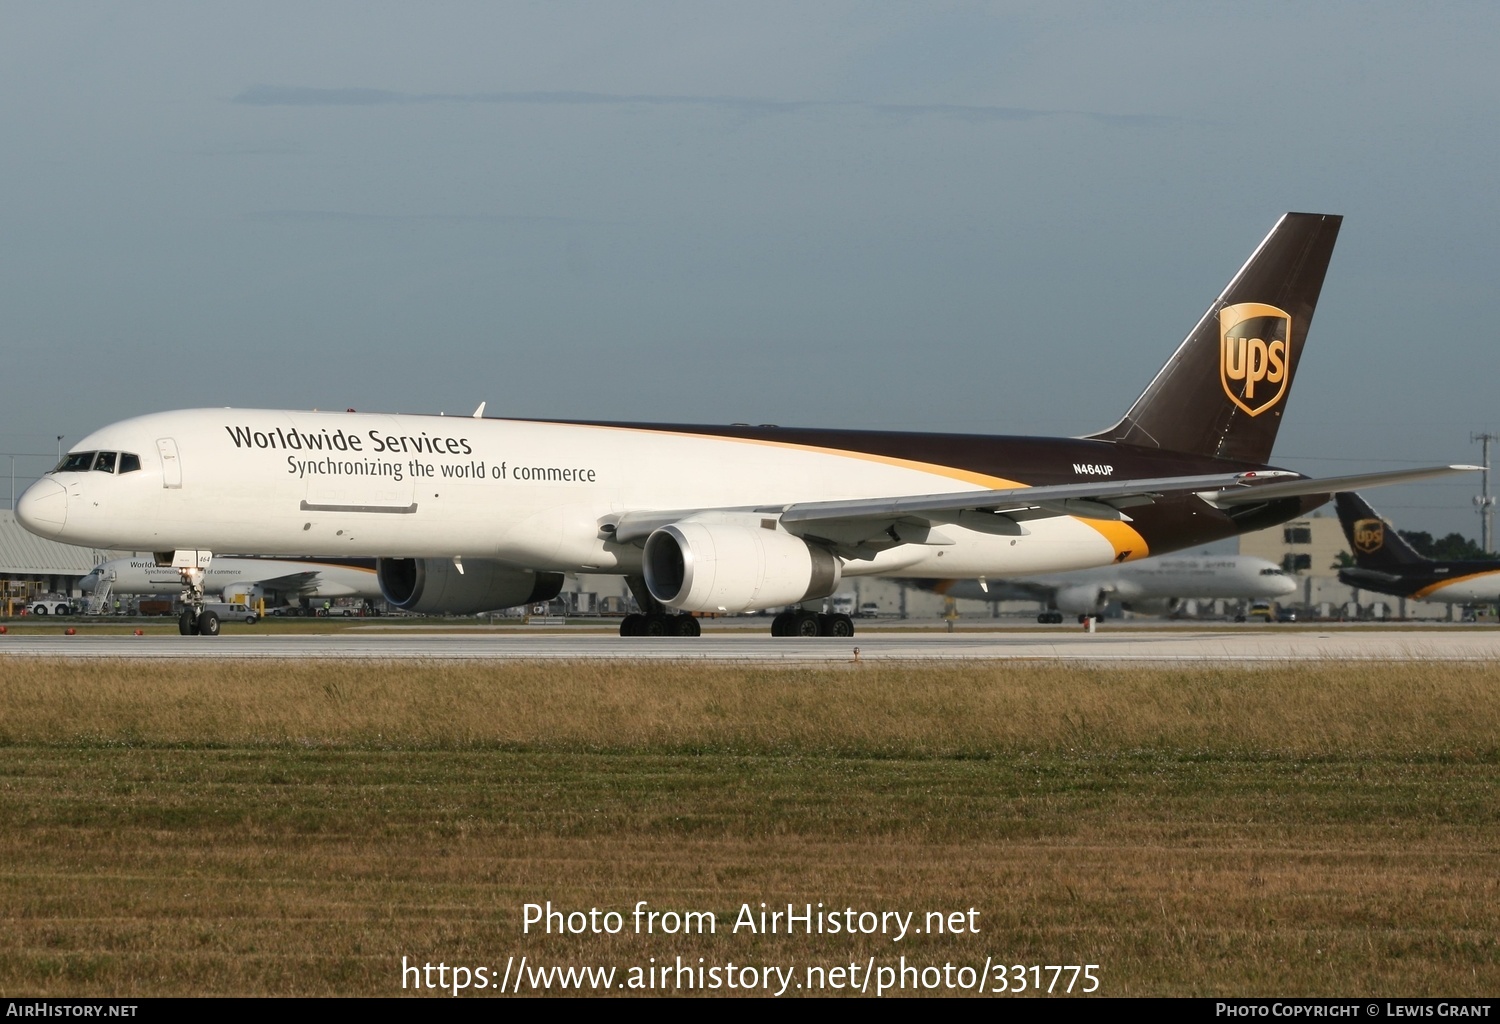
x: 1134, y: 646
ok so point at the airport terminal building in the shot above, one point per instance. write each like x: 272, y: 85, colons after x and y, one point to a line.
x: 33, y: 567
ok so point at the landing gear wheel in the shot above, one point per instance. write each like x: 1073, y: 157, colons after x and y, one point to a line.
x: 657, y: 625
x: 208, y: 624
x: 686, y: 625
x: 838, y: 625
x: 631, y: 625
x: 781, y: 625
x: 188, y: 624
x: 806, y: 624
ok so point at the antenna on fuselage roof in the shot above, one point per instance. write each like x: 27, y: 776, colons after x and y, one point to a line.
x: 479, y: 412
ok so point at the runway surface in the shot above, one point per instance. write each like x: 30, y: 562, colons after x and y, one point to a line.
x: 1134, y: 646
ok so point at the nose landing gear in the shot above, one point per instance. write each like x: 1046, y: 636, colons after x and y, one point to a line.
x: 191, y: 567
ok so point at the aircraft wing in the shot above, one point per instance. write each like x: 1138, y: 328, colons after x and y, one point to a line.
x: 1094, y: 500
x: 292, y: 583
x: 1101, y: 500
x: 1332, y: 484
x: 874, y: 523
x: 1104, y: 500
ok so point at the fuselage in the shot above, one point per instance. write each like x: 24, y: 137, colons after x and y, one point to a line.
x: 540, y: 495
x: 1169, y: 576
x: 229, y: 576
x: 1442, y: 582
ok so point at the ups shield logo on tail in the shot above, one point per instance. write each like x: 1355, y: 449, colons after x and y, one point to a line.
x: 1369, y: 535
x: 1254, y: 363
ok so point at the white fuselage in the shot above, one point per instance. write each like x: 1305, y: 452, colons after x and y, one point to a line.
x: 1206, y: 577
x: 1478, y: 588
x: 229, y: 576
x: 535, y: 495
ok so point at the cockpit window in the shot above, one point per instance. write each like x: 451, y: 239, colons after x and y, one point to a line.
x: 1273, y: 572
x: 105, y: 463
x: 76, y: 462
x: 129, y: 462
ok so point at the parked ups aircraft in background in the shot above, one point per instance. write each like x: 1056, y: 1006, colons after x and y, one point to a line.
x: 1153, y: 585
x: 246, y: 580
x: 1385, y: 563
x: 467, y: 514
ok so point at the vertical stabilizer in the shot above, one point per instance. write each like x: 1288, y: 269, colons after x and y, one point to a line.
x: 1223, y: 391
x: 1375, y: 542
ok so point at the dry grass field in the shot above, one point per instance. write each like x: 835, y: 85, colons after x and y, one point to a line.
x: 278, y: 828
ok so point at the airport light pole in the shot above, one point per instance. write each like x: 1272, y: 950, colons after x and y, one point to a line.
x: 59, y: 447
x: 1485, y: 502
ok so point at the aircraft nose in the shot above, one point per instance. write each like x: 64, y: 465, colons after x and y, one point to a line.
x: 1286, y: 585
x: 43, y: 508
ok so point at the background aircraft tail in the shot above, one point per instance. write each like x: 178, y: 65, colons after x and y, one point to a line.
x: 1223, y: 391
x: 1375, y: 542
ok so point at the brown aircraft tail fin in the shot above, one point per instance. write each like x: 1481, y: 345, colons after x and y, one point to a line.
x: 1223, y: 391
x: 1375, y: 542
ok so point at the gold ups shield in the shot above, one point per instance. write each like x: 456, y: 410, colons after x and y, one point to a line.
x: 1254, y: 355
x: 1369, y: 535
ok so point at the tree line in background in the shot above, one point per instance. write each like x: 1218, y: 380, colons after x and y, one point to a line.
x: 1453, y: 548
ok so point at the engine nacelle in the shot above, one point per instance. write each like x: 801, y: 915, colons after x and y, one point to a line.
x: 434, y: 586
x: 243, y: 593
x: 1084, y: 599
x: 1153, y: 605
x: 729, y: 562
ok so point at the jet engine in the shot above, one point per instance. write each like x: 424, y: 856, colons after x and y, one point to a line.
x: 434, y: 586
x: 1153, y: 605
x: 1084, y: 599
x: 723, y: 562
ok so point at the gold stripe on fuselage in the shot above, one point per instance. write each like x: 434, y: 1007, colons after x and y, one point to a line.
x: 1432, y: 588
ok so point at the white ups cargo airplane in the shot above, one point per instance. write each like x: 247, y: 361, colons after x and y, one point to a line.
x: 467, y: 514
x: 244, y: 579
x: 1152, y: 585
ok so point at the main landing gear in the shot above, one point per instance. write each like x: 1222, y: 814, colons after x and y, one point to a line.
x: 1049, y: 618
x: 656, y: 619
x: 804, y: 623
x: 659, y: 624
x: 798, y: 623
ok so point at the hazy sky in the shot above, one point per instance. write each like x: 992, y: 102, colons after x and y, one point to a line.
x: 978, y: 217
